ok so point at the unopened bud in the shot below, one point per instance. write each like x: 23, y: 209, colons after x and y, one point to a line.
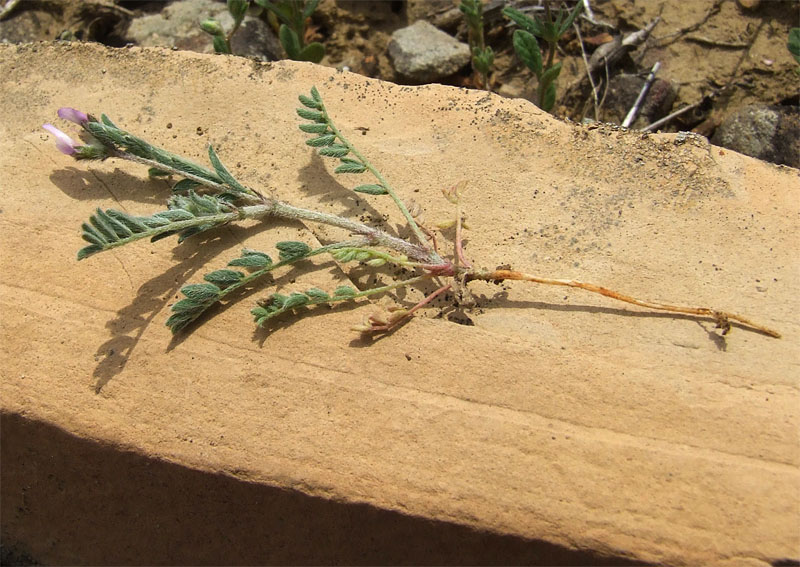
x: 212, y: 27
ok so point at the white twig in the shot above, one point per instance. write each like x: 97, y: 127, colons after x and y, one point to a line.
x: 669, y: 117
x: 634, y: 111
x: 589, y: 14
x: 5, y: 10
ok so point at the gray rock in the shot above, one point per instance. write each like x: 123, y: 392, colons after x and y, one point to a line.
x: 623, y: 91
x: 178, y: 25
x: 422, y: 53
x: 771, y: 133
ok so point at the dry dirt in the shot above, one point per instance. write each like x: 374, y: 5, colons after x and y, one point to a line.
x: 725, y: 53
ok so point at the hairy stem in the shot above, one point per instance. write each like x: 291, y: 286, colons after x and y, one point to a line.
x: 251, y: 196
x: 250, y: 278
x: 721, y: 317
x: 400, y: 205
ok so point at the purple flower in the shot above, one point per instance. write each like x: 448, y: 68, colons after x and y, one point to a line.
x: 64, y: 143
x: 73, y: 115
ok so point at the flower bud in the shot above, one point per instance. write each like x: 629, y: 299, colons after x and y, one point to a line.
x: 64, y: 143
x: 212, y: 27
x: 73, y: 115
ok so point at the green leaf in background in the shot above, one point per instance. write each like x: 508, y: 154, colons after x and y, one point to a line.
x: 289, y: 41
x: 794, y: 43
x: 527, y: 49
x: 313, y: 52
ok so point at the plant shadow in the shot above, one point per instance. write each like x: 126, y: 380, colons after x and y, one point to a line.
x: 318, y: 182
x: 90, y: 184
x: 130, y: 323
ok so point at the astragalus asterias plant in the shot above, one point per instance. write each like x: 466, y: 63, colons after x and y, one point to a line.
x: 208, y: 198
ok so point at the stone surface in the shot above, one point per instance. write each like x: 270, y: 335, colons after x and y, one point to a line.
x: 770, y: 133
x: 421, y: 52
x: 559, y: 428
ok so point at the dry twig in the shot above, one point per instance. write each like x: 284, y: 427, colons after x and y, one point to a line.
x: 634, y: 111
x: 722, y: 318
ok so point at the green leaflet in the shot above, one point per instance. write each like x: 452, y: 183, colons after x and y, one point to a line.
x: 527, y: 49
x: 528, y: 24
x: 549, y: 97
x: 324, y: 140
x: 224, y: 278
x: 223, y: 173
x: 344, y: 291
x: 371, y: 189
x: 314, y: 115
x: 201, y: 292
x: 313, y: 52
x: 87, y: 251
x: 252, y: 259
x: 309, y: 102
x: 313, y: 128
x: 295, y: 299
x: 238, y: 8
x: 292, y: 250
x: 184, y: 185
x: 317, y: 294
x: 334, y: 150
x: 174, y: 215
x: 290, y: 41
x: 155, y: 172
x: 350, y: 165
x: 277, y: 304
x: 551, y: 74
x: 199, y: 297
x: 351, y: 168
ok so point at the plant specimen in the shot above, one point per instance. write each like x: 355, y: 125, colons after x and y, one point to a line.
x: 208, y: 198
x: 482, y: 56
x: 222, y: 40
x: 293, y: 15
x: 549, y: 28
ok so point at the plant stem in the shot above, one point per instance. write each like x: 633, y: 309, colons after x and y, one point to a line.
x: 251, y: 196
x: 721, y: 317
x: 385, y: 184
x: 274, y: 207
x: 250, y: 278
x: 389, y: 326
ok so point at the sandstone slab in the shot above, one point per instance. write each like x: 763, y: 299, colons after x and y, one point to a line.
x: 558, y: 428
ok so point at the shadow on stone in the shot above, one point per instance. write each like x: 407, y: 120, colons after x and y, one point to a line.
x: 67, y: 500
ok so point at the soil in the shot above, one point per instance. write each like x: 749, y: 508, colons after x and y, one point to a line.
x: 718, y: 54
